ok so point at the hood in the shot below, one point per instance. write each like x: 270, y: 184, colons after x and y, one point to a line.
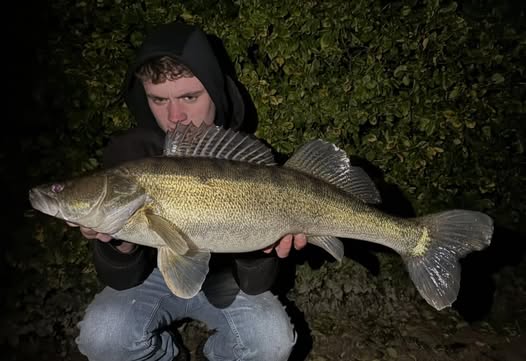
x: 192, y: 48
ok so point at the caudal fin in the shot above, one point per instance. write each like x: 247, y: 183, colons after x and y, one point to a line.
x: 448, y: 236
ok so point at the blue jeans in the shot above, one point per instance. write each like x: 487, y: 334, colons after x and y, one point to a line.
x: 132, y: 325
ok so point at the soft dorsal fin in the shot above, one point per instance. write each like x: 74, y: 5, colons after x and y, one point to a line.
x: 328, y: 162
x: 216, y: 142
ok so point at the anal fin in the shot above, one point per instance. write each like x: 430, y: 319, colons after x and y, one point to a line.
x: 330, y: 244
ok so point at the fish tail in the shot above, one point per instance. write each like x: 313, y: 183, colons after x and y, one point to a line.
x: 446, y: 237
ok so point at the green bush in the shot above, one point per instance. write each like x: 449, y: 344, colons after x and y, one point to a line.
x: 429, y: 96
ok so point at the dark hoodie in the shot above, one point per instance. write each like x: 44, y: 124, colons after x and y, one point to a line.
x: 252, y: 272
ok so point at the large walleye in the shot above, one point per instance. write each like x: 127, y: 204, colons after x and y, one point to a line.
x: 216, y: 190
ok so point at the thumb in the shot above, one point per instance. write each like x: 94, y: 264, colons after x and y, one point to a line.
x: 103, y: 237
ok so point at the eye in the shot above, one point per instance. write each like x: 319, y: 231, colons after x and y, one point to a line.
x: 190, y: 98
x: 57, y: 188
x: 159, y: 101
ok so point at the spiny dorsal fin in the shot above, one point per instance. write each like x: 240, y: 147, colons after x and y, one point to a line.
x: 326, y: 161
x: 216, y: 142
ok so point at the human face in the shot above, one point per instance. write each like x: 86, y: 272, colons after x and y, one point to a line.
x: 184, y: 100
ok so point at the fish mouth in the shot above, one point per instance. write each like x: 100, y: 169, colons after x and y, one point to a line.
x: 43, y: 203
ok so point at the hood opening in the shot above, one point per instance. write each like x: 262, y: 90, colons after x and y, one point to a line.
x: 193, y: 48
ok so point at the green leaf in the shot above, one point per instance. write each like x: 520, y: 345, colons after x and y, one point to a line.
x: 454, y: 93
x: 399, y: 70
x: 371, y: 138
x: 497, y: 78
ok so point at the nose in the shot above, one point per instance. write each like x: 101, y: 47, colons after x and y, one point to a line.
x: 176, y: 112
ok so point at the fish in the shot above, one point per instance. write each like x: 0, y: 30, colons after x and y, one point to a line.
x: 216, y: 190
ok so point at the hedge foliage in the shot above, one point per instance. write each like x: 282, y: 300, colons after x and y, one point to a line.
x: 431, y: 97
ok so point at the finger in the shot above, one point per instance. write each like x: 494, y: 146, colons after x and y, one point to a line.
x: 271, y: 247
x: 268, y: 249
x: 88, y: 233
x: 72, y: 224
x: 300, y: 241
x: 126, y: 247
x: 284, y: 246
x: 103, y: 237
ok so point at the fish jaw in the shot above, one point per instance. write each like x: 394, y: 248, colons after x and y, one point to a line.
x: 44, y: 203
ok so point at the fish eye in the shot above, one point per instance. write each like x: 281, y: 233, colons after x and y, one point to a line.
x: 57, y: 188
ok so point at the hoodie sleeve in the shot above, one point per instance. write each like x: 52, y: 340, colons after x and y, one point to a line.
x: 114, y: 268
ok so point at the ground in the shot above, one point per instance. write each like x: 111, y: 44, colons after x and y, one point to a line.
x: 414, y: 333
x: 355, y: 311
x: 443, y: 338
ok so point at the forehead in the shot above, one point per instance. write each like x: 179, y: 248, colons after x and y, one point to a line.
x: 174, y: 87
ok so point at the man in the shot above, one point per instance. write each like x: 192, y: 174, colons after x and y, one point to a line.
x: 176, y: 78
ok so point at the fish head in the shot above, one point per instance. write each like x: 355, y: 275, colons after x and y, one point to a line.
x: 102, y: 202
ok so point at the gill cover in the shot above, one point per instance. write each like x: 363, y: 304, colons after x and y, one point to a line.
x: 103, y: 201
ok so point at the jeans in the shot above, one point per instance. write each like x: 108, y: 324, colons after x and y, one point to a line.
x: 133, y: 325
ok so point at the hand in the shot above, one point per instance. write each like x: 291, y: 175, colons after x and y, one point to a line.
x: 284, y: 245
x: 124, y: 247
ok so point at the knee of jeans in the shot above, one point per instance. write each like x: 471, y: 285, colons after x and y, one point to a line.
x: 271, y: 337
x: 110, y: 332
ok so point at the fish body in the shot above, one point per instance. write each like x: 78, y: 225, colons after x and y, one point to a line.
x: 219, y: 191
x: 230, y: 206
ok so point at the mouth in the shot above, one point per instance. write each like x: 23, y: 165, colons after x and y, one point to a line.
x: 43, y: 203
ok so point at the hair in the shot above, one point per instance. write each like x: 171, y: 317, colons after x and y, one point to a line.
x: 160, y: 69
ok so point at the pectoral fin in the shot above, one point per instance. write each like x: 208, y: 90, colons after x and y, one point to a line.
x: 172, y: 236
x: 184, y: 275
x: 331, y: 244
